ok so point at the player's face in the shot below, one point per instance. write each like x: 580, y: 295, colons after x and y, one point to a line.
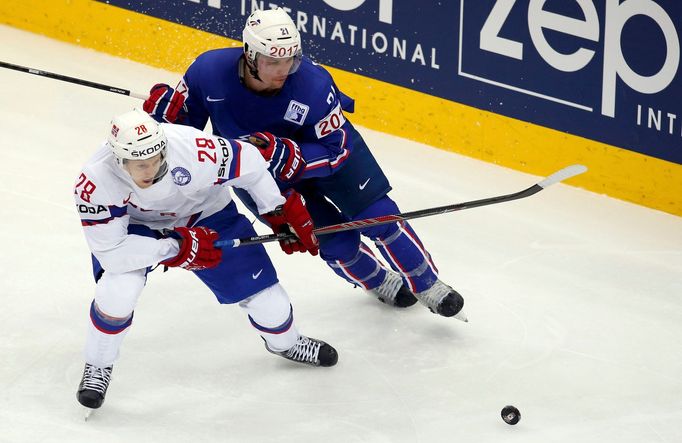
x: 144, y: 171
x: 273, y: 72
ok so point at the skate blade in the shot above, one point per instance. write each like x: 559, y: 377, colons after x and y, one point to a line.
x: 461, y: 316
x: 87, y: 413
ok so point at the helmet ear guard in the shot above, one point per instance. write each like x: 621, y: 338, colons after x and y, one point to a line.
x: 271, y: 33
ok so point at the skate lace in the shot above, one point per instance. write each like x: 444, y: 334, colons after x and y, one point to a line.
x: 305, y: 350
x: 434, y: 295
x: 96, y: 379
x: 390, y: 286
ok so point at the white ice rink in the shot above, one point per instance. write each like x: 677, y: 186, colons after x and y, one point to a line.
x: 574, y: 301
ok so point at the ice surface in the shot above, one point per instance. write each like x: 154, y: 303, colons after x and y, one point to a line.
x: 574, y: 301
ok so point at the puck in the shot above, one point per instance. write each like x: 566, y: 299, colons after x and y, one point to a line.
x: 510, y: 415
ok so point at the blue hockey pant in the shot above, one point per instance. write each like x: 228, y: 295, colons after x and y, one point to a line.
x: 233, y: 279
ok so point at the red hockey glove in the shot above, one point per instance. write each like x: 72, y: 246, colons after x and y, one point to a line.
x: 196, y: 249
x: 284, y: 155
x: 293, y: 217
x: 165, y: 104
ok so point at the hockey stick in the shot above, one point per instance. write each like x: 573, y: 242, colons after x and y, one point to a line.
x: 563, y: 174
x: 77, y: 81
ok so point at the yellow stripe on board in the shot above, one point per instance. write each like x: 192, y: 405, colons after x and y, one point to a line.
x: 381, y: 106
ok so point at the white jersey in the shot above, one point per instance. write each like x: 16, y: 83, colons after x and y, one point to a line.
x: 201, y: 168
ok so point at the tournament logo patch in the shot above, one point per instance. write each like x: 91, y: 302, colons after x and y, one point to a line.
x: 296, y: 112
x: 181, y: 176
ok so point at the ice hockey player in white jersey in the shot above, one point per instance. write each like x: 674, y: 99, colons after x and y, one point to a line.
x: 159, y: 194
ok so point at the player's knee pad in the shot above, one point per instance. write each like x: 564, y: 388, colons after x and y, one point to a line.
x: 106, y: 323
x: 339, y: 246
x: 383, y: 206
x: 269, y: 308
x: 382, y: 232
x: 116, y: 294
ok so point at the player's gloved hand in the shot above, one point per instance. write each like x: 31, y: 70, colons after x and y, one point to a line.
x: 165, y: 104
x: 284, y: 155
x: 293, y: 217
x: 196, y: 249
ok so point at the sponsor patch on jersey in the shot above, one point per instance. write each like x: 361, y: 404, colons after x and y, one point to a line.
x: 296, y: 112
x: 181, y: 176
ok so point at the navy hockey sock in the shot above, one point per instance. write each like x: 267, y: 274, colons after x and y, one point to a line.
x: 401, y: 247
x: 363, y: 270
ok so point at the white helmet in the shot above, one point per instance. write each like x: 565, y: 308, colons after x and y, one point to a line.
x: 134, y: 135
x: 272, y: 33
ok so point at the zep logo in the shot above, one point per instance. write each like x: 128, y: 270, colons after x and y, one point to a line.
x: 617, y: 70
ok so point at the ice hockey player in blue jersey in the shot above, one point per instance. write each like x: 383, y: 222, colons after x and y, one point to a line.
x: 290, y: 107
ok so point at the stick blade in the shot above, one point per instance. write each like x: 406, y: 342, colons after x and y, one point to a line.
x: 563, y: 174
x: 87, y: 413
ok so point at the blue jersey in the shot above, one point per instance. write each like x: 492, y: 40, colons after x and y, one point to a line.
x: 308, y: 109
x: 341, y: 181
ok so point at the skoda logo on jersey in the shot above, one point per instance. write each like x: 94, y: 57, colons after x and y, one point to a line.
x: 296, y: 112
x: 181, y: 176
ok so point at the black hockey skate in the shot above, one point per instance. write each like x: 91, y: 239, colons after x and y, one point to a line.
x: 309, y: 351
x: 393, y: 292
x: 441, y: 299
x: 93, y: 387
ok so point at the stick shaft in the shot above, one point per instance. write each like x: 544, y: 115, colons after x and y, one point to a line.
x: 68, y: 79
x: 558, y: 176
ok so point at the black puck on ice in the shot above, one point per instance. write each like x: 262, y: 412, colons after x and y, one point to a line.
x: 510, y: 415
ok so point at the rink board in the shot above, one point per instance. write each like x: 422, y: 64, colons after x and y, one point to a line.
x: 483, y: 134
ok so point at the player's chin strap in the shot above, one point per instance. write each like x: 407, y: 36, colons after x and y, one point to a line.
x: 563, y: 174
x: 163, y: 170
x: 243, y: 65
